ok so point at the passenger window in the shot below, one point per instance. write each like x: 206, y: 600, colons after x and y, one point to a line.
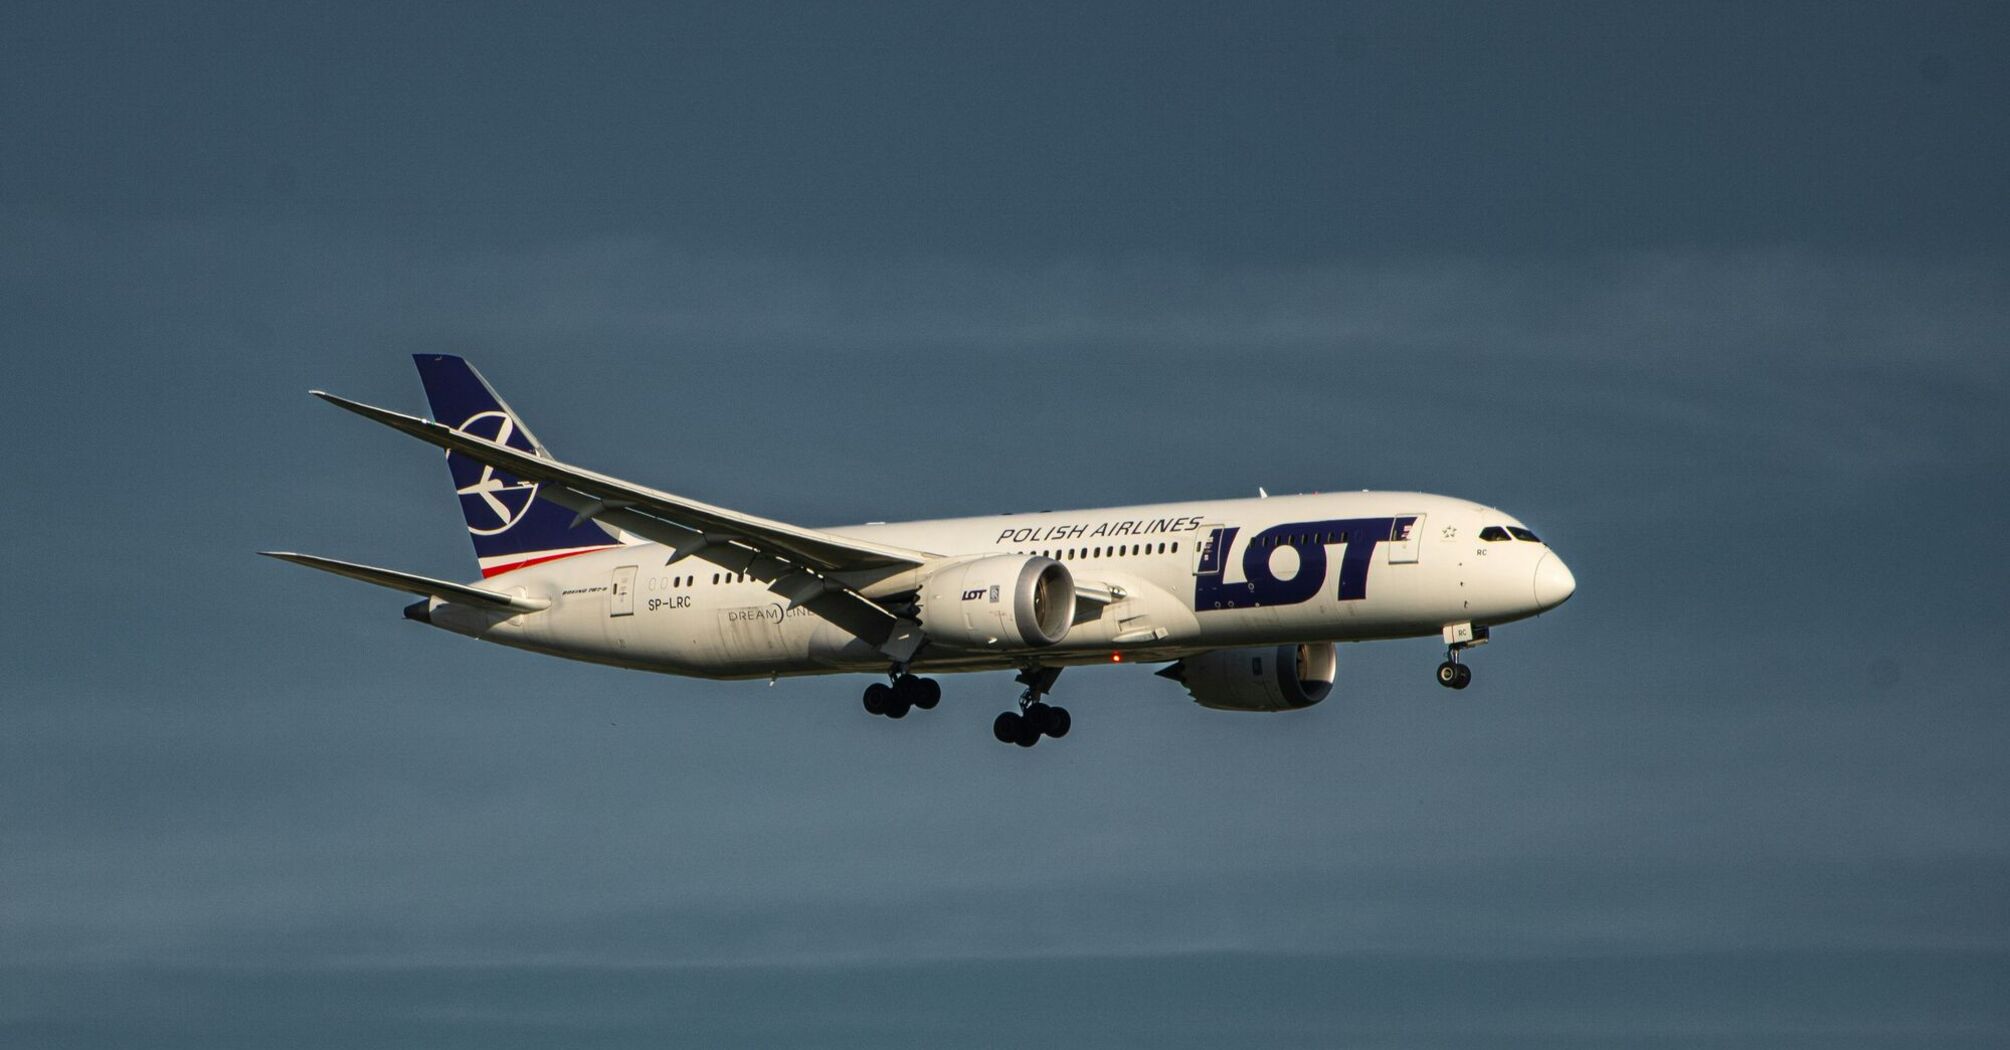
x: 1175, y: 548
x: 715, y: 577
x: 1494, y: 534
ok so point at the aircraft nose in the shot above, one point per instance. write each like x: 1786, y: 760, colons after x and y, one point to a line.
x: 1553, y: 582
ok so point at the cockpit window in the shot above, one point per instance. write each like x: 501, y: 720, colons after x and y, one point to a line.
x: 1522, y: 534
x: 1494, y: 534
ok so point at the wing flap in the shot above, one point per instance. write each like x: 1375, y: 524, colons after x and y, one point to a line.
x: 458, y: 593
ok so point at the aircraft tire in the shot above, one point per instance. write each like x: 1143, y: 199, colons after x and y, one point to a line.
x: 878, y: 696
x: 1448, y: 674
x: 898, y: 709
x: 1465, y: 677
x: 1006, y: 727
x: 1058, y: 722
x: 927, y: 694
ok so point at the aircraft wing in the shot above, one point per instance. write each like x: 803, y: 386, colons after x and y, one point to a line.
x: 410, y: 584
x: 795, y: 562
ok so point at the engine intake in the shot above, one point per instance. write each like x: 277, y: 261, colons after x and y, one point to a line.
x: 1259, y: 678
x: 1005, y: 601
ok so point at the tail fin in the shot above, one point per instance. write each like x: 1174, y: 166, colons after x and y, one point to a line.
x: 510, y: 526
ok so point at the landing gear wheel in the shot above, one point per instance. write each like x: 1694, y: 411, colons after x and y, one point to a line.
x: 1034, y: 719
x: 917, y: 692
x: 898, y: 708
x: 1448, y: 674
x: 1465, y: 677
x: 878, y: 697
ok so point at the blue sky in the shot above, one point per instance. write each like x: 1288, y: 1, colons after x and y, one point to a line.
x: 1715, y: 298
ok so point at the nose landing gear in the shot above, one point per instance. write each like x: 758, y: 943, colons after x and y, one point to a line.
x: 1452, y: 674
x: 1458, y: 638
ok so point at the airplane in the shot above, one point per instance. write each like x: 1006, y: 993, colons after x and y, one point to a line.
x: 1242, y: 600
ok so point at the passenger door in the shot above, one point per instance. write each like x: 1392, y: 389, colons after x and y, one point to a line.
x: 1406, y: 539
x: 621, y: 592
x: 1210, y: 551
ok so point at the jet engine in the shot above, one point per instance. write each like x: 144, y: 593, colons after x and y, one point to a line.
x: 1005, y: 601
x: 1259, y: 678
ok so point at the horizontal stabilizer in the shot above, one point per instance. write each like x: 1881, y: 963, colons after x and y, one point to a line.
x: 460, y: 594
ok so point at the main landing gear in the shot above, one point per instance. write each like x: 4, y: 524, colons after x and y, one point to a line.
x: 1034, y: 719
x: 904, y: 694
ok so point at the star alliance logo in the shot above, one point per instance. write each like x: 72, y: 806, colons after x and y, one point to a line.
x: 488, y: 496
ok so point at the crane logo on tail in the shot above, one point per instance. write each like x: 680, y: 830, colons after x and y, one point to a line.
x: 487, y: 494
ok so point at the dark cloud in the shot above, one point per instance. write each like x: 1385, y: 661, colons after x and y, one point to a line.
x: 1716, y: 300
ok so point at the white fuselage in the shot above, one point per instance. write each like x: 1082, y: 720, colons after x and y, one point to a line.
x: 1171, y: 594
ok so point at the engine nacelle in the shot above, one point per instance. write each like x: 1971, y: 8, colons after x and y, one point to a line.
x: 1259, y: 678
x: 1006, y: 601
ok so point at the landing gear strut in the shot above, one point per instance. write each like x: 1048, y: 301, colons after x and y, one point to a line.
x: 1035, y: 718
x: 906, y: 692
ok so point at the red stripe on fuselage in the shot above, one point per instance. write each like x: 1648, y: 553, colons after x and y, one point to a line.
x: 540, y: 559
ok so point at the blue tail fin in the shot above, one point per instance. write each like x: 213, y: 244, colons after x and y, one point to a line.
x: 510, y: 526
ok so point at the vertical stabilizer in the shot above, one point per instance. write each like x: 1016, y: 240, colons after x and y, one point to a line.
x: 509, y: 525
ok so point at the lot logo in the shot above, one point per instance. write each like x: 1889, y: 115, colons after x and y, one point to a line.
x: 1260, y: 586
